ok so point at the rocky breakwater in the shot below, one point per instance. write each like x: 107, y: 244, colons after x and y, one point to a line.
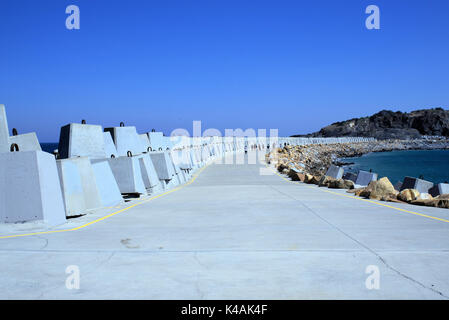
x: 309, y: 164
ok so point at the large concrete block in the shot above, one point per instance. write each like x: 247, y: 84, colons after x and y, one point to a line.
x: 149, y: 175
x: 4, y: 131
x: 81, y: 186
x: 365, y: 177
x: 335, y: 172
x: 128, y: 174
x: 145, y: 142
x: 422, y: 186
x: 107, y: 186
x: 440, y: 188
x: 163, y: 165
x: 182, y: 159
x: 126, y: 139
x: 81, y: 140
x: 157, y: 141
x: 30, y: 188
x: 72, y: 187
x: 109, y: 145
x: 26, y: 142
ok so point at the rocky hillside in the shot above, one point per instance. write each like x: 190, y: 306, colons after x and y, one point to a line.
x: 387, y: 124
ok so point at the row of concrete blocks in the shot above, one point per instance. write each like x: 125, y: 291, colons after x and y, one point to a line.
x: 363, y: 178
x: 94, y: 168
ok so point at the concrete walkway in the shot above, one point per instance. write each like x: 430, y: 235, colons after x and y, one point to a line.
x: 236, y: 234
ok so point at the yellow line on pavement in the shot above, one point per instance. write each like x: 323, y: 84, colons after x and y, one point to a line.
x: 195, y: 176
x: 366, y: 200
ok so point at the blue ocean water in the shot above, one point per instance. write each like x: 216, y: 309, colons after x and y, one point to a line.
x: 49, y: 147
x: 433, y: 165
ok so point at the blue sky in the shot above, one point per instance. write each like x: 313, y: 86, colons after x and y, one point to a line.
x: 292, y: 65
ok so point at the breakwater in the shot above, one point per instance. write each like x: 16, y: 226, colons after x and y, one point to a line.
x: 319, y: 164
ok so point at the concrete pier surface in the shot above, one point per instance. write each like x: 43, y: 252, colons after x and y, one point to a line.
x: 234, y: 232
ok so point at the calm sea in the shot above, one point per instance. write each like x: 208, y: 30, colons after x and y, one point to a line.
x: 433, y: 165
x: 49, y: 147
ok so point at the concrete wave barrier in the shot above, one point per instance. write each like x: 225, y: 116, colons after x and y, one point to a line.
x: 26, y: 142
x: 421, y: 185
x: 128, y: 174
x: 86, y: 186
x: 30, y: 188
x: 81, y: 140
x: 149, y: 175
x: 97, y: 167
x: 365, y: 177
x: 126, y: 140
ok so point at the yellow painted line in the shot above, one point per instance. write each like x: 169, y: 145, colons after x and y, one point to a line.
x: 366, y: 200
x: 194, y: 177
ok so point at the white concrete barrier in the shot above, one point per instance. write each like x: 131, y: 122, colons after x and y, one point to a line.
x: 4, y: 131
x: 126, y: 139
x: 128, y: 174
x: 81, y: 140
x: 109, y: 145
x: 107, y: 187
x: 149, y: 174
x: 164, y: 168
x: 26, y: 142
x: 83, y: 189
x: 30, y: 188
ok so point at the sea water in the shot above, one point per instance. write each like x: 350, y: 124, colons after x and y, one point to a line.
x: 432, y: 165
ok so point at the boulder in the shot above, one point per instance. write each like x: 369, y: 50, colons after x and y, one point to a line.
x: 408, y: 195
x: 300, y: 177
x: 308, y: 178
x: 379, y: 190
x: 281, y: 167
x: 355, y: 191
x: 315, y: 180
x: 425, y: 202
x: 325, y: 181
x: 293, y: 174
x: 383, y: 189
x: 349, y: 184
x: 341, y: 184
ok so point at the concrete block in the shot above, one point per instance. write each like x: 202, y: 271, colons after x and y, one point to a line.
x: 163, y: 165
x: 397, y: 186
x: 128, y: 174
x: 26, y: 142
x: 81, y: 186
x: 350, y: 176
x: 422, y: 186
x: 4, y: 131
x: 107, y: 186
x: 440, y: 188
x: 365, y: 177
x: 71, y: 187
x: 157, y: 142
x: 149, y: 175
x: 109, y: 145
x: 126, y: 139
x: 182, y: 159
x: 145, y: 142
x: 30, y: 188
x: 335, y: 172
x: 81, y: 140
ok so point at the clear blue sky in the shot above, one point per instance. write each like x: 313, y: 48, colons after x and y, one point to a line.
x: 292, y: 65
